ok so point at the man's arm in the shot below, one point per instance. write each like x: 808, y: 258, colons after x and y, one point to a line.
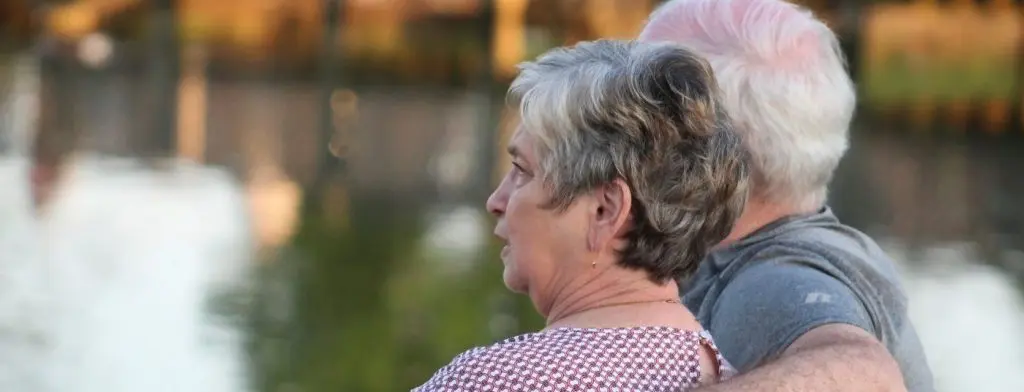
x: 833, y: 357
x: 788, y: 325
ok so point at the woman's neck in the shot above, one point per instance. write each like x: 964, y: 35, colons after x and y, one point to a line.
x: 617, y: 297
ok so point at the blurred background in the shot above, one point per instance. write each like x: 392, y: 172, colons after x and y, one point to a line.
x: 350, y: 145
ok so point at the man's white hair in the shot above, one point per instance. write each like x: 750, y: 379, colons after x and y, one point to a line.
x: 784, y: 82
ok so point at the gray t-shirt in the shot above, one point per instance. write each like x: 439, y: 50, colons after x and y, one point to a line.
x: 761, y: 293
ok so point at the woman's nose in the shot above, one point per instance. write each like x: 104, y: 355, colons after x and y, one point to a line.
x: 497, y: 201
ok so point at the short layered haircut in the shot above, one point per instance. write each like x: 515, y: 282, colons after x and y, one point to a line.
x: 649, y: 114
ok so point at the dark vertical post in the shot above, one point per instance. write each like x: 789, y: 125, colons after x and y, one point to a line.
x: 851, y: 16
x: 328, y: 76
x: 164, y: 73
x: 485, y: 84
x: 1017, y: 111
x: 329, y: 70
x: 55, y: 134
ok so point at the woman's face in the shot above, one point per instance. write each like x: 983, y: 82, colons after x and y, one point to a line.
x: 544, y: 248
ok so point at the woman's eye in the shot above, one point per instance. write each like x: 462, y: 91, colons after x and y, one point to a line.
x: 518, y: 173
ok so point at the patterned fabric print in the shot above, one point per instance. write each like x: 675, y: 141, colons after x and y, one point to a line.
x: 642, y: 359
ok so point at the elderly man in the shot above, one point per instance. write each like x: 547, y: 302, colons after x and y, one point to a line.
x: 796, y: 300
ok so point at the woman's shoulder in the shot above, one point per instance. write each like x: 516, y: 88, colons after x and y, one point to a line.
x: 484, y: 366
x: 574, y: 358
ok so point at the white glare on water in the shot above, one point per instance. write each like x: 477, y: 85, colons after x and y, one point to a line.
x: 115, y: 287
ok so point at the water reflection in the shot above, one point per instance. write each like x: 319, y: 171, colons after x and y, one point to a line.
x: 454, y: 238
x: 969, y: 317
x: 22, y: 326
x: 143, y: 272
x: 382, y: 301
x: 132, y: 278
x: 394, y: 272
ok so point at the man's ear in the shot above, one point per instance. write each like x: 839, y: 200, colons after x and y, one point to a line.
x: 610, y: 214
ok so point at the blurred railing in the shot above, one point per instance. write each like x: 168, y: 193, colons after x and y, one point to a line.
x: 953, y: 66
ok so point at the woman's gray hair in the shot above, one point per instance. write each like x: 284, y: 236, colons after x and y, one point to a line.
x: 648, y: 113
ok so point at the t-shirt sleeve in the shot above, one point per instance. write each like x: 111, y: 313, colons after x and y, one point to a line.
x: 769, y: 305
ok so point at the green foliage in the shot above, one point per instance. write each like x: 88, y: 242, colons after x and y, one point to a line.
x: 899, y: 82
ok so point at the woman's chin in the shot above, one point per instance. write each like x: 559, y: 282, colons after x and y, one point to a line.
x: 513, y: 282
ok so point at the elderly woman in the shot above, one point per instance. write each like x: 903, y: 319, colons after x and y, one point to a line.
x: 624, y: 174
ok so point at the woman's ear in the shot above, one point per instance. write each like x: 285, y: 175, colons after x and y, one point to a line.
x: 610, y: 214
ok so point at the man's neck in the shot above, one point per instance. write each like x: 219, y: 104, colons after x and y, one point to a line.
x: 757, y: 214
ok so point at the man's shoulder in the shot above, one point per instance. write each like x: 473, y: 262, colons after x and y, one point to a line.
x: 832, y: 247
x: 799, y: 279
x: 829, y: 272
x: 807, y: 263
